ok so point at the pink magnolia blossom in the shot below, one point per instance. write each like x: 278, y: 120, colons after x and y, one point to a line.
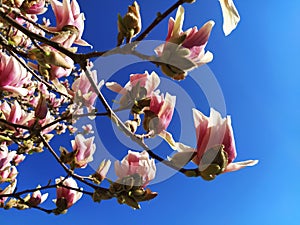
x: 7, y: 171
x: 213, y: 131
x: 13, y: 76
x: 68, y: 14
x: 192, y: 40
x: 34, y: 6
x: 5, y: 157
x: 8, y: 190
x: 37, y: 198
x: 85, y: 148
x: 136, y: 163
x: 163, y: 109
x: 195, y: 40
x: 70, y: 196
x: 82, y: 90
x: 139, y: 86
x: 16, y: 115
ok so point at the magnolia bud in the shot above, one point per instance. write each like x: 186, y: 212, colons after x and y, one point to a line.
x: 41, y: 108
x: 213, y: 162
x: 130, y: 25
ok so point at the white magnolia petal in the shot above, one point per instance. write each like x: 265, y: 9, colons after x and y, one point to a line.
x: 114, y: 86
x: 178, y: 22
x: 239, y: 165
x: 231, y: 16
x: 199, y: 117
x: 207, y: 58
x: 168, y: 138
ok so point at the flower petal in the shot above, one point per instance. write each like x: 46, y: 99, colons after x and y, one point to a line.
x: 231, y: 16
x: 239, y: 165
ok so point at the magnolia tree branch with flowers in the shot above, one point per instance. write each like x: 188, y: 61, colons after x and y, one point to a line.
x: 46, y: 86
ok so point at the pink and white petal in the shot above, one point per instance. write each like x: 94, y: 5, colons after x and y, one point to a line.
x: 217, y: 126
x: 170, y: 28
x: 16, y: 90
x: 83, y: 43
x: 239, y: 165
x: 208, y: 57
x: 115, y: 87
x: 200, y: 123
x: 153, y: 82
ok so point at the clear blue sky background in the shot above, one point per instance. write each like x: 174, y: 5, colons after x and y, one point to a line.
x: 257, y: 69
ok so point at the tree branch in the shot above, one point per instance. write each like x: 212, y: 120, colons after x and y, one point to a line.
x: 158, y: 19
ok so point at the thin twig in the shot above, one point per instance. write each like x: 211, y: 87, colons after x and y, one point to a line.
x: 14, y: 125
x: 158, y: 19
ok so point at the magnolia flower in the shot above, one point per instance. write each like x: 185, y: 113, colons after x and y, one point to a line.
x: 139, y: 87
x: 84, y: 148
x: 215, y: 131
x: 68, y: 14
x: 34, y: 6
x: 5, y: 157
x: 215, y: 150
x: 8, y: 190
x: 136, y: 163
x: 37, y: 198
x: 13, y: 76
x: 231, y: 16
x: 160, y: 113
x: 83, y: 90
x: 65, y: 196
x: 14, y: 114
x: 184, y: 50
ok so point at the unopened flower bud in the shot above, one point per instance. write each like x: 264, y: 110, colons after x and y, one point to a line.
x: 99, y: 195
x: 131, y: 202
x: 130, y: 25
x: 41, y: 108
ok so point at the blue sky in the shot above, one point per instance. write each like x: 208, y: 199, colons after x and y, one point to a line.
x: 257, y: 70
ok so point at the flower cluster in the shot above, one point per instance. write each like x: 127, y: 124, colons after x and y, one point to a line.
x: 141, y: 95
x: 46, y: 87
